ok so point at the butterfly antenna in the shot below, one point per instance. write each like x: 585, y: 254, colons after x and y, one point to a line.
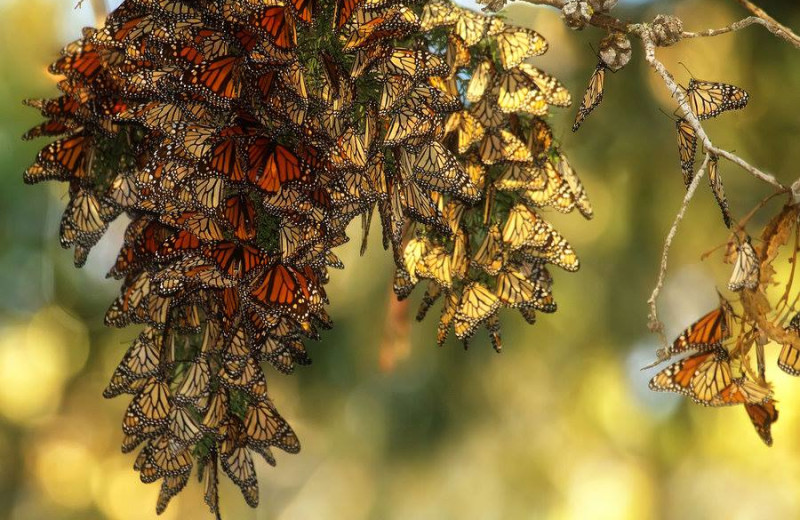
x: 668, y: 116
x: 712, y: 251
x: 686, y: 68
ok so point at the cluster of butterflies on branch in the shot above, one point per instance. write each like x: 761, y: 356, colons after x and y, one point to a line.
x: 240, y: 138
x: 495, y: 254
x: 718, y: 371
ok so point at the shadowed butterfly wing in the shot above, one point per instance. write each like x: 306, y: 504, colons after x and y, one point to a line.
x: 762, y: 415
x: 593, y: 95
x: 745, y: 269
x: 715, y: 180
x: 789, y: 358
x: 687, y: 147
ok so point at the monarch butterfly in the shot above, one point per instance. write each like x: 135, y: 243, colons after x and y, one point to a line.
x: 417, y: 203
x: 707, y: 332
x: 394, y: 88
x: 519, y: 227
x: 79, y: 56
x: 432, y: 294
x: 741, y: 391
x: 458, y: 261
x: 687, y: 146
x: 49, y: 129
x: 746, y: 267
x: 171, y: 486
x: 553, y: 248
x: 246, y: 376
x: 195, y: 382
x: 476, y: 305
x: 516, y: 92
x: 170, y: 457
x: 395, y: 23
x: 437, y: 13
x: 344, y: 10
x: 235, y: 260
x: 410, y: 122
x: 280, y: 287
x: 435, y: 265
x: 516, y: 44
x: 141, y: 361
x: 265, y: 426
x: 578, y: 192
x: 240, y: 214
x: 502, y: 145
x: 86, y: 213
x: 143, y: 238
x: 63, y: 160
x: 149, y: 408
x: 416, y: 64
x: 303, y: 9
x: 237, y: 462
x: 198, y: 224
x: 469, y: 130
x: 471, y: 27
x: 789, y: 358
x: 709, y: 99
x: 487, y: 114
x: 278, y: 28
x: 521, y: 176
x: 490, y: 254
x: 220, y: 79
x: 593, y: 95
x: 448, y: 313
x: 348, y: 151
x: 457, y: 54
x: 413, y: 252
x: 514, y: 290
x: 183, y: 425
x: 436, y: 168
x: 762, y: 415
x: 271, y: 165
x: 554, y: 191
x: 701, y: 376
x: 715, y: 180
x: 482, y: 76
x: 554, y: 92
x: 208, y: 474
x: 437, y: 99
x: 227, y: 159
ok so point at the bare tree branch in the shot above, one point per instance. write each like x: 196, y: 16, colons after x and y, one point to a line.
x: 645, y: 33
x: 771, y: 23
x: 655, y: 324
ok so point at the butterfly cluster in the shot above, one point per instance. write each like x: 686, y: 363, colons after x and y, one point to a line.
x: 718, y: 370
x: 240, y: 138
x: 707, y: 99
x: 495, y: 253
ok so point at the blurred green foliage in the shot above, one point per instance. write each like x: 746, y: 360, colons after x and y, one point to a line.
x: 561, y: 425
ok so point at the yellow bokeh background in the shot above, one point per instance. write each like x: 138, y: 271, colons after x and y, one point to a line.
x: 561, y: 425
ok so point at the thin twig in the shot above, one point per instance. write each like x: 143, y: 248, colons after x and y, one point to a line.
x: 778, y: 30
x: 655, y: 324
x: 771, y: 23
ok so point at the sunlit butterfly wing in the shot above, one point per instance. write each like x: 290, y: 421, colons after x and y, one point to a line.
x: 709, y: 99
